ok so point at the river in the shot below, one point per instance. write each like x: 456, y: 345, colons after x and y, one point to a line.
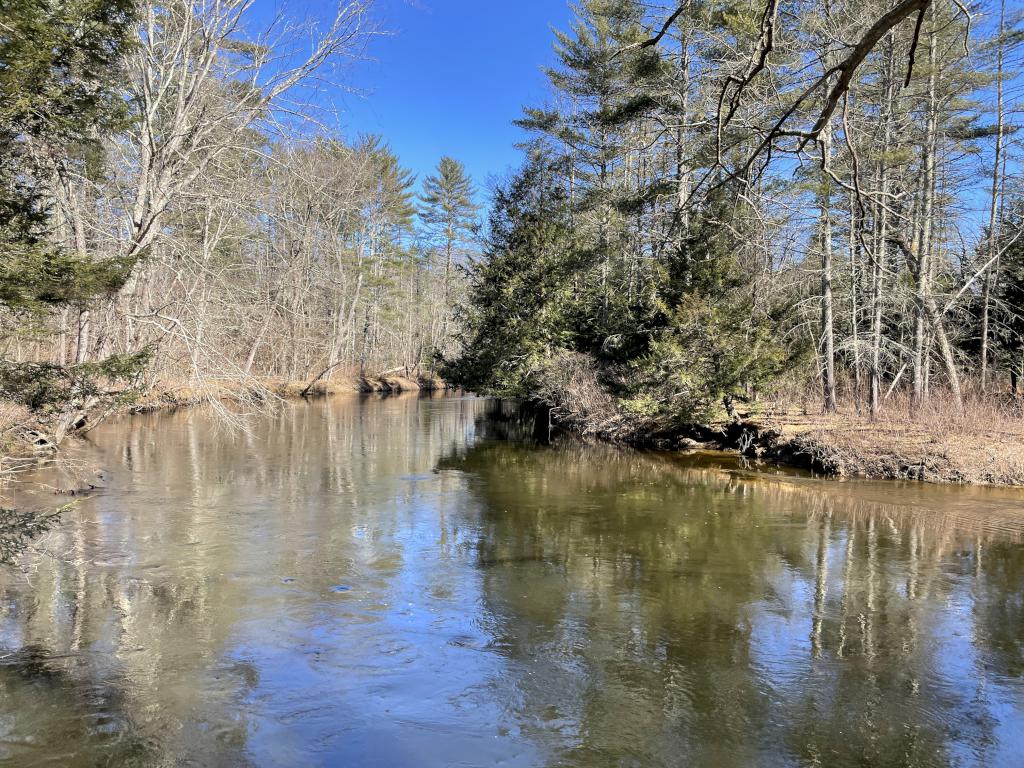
x: 396, y: 582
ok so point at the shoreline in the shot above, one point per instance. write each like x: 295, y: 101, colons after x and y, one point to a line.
x: 27, y: 445
x: 844, y: 446
x: 178, y: 395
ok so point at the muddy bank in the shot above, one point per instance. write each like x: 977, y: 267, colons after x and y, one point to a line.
x: 841, y: 446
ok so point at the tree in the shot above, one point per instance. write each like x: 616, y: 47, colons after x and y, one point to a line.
x: 750, y: 181
x: 520, y: 292
x: 991, y: 276
x: 447, y: 209
x: 1009, y: 297
x: 58, y: 61
x: 449, y: 214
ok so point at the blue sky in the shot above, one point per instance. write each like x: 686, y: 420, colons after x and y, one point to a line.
x: 450, y: 77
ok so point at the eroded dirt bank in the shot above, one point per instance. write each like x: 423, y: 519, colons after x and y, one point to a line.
x: 969, y: 450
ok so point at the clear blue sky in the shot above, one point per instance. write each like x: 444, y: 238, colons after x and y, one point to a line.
x: 450, y: 77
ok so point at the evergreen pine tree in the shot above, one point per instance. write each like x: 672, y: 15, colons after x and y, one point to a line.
x: 449, y: 213
x: 520, y: 293
x: 447, y: 208
x: 1009, y: 296
x: 58, y: 61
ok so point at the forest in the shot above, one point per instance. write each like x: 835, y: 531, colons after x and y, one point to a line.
x: 727, y: 210
x: 620, y: 383
x: 763, y: 196
x: 177, y: 219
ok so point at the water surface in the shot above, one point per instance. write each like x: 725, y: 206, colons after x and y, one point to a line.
x: 391, y: 582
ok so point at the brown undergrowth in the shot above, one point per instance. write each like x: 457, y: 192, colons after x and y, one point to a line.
x: 979, y: 443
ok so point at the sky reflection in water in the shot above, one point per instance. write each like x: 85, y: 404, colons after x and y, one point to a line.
x: 390, y: 582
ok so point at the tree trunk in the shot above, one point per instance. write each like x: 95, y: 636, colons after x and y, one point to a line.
x: 828, y: 379
x: 992, y: 274
x: 924, y: 228
x: 879, y: 254
x: 84, y: 326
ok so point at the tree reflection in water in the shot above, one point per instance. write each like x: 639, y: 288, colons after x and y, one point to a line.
x: 394, y: 582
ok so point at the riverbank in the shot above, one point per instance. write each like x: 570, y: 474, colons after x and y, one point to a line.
x: 25, y: 441
x: 980, y: 444
x: 182, y: 394
x: 986, y: 450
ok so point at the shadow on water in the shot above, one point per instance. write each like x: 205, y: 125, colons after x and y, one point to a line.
x: 408, y: 581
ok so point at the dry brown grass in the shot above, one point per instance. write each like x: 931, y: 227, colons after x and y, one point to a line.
x: 983, y: 442
x: 11, y: 416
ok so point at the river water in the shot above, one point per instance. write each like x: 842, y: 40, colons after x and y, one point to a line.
x: 395, y: 582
